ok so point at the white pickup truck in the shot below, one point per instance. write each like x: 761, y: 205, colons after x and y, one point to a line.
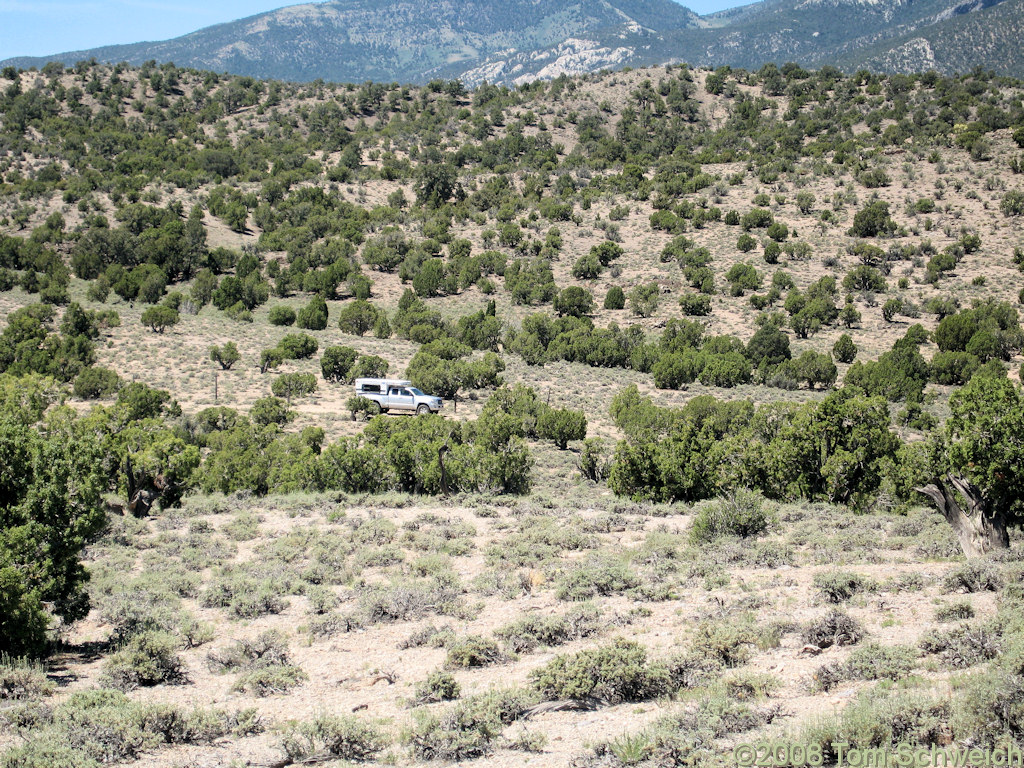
x: 397, y: 395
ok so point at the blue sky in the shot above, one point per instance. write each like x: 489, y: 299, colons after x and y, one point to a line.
x: 41, y: 27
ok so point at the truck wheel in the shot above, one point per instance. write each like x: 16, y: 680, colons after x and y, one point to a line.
x: 423, y: 410
x: 378, y: 409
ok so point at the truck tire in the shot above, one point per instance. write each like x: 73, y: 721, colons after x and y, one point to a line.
x: 378, y: 409
x: 423, y: 409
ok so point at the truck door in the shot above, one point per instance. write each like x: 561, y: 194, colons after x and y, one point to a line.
x: 402, y: 398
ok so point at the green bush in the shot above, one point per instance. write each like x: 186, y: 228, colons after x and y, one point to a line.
x: 742, y: 278
x: 289, y: 385
x: 695, y: 305
x: 467, y: 729
x: 298, y: 346
x: 593, y: 462
x: 159, y: 318
x: 270, y: 681
x: 358, y: 317
x: 879, y: 662
x: 341, y: 736
x: 839, y: 586
x: 615, y: 298
x: 872, y: 220
x: 149, y: 658
x: 643, y: 299
x: 974, y: 576
x: 963, y: 646
x: 439, y: 686
x: 336, y: 364
x: 23, y: 680
x: 611, y: 674
x: 530, y: 632
x: 281, y: 315
x: 834, y: 628
x: 596, y: 576
x: 844, y: 350
x: 313, y: 316
x: 225, y: 356
x: 742, y: 514
x: 957, y: 611
x: 1012, y: 203
x: 94, y: 383
x: 473, y: 651
x: 562, y: 425
x: 574, y: 302
x: 725, y: 643
x: 270, y: 410
x: 45, y: 527
x: 369, y: 367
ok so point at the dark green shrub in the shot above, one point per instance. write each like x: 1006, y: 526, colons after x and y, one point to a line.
x: 358, y: 317
x: 270, y: 358
x: 561, y: 426
x: 313, y: 316
x: 615, y: 298
x: 844, y: 350
x: 94, y: 383
x: 574, y: 302
x: 695, y: 305
x: 44, y: 526
x: 336, y: 364
x: 289, y: 385
x: 225, y: 356
x: 369, y: 367
x: 159, y: 318
x: 281, y: 315
x: 891, y: 308
x: 298, y: 346
x: 872, y: 220
x: 743, y: 277
x: 270, y: 410
x: 594, y: 463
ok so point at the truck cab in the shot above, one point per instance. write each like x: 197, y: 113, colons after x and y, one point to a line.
x: 397, y: 395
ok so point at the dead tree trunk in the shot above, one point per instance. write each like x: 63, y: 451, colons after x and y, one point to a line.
x: 979, y: 528
x: 444, y: 473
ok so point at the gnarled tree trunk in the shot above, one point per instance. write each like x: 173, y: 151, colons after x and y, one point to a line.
x: 979, y: 528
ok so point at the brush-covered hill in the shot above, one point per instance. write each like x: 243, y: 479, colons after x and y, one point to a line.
x: 702, y: 336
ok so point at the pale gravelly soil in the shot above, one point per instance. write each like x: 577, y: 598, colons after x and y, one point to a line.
x: 346, y: 672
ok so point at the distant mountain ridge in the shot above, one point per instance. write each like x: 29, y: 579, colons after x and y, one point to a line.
x: 511, y: 41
